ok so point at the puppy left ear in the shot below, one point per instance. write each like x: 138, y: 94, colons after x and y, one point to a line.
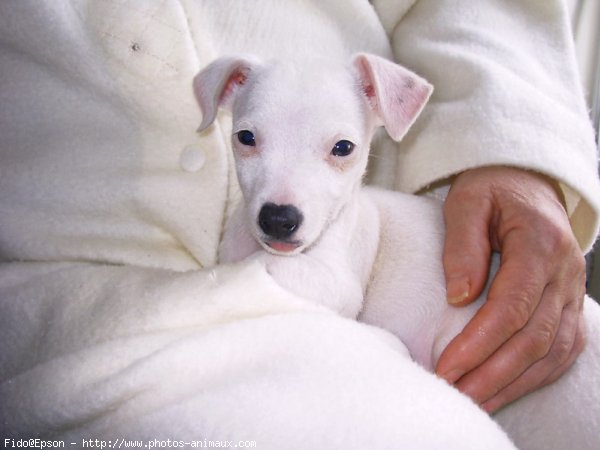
x: 218, y: 84
x: 395, y: 94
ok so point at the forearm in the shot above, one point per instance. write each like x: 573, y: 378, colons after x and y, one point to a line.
x: 507, y: 93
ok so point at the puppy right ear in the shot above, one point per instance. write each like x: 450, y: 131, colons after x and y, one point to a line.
x: 395, y: 94
x: 217, y: 84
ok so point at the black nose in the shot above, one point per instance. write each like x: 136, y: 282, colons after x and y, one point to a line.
x: 279, y: 221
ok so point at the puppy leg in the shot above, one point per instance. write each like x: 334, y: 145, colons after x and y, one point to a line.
x: 327, y: 282
x: 237, y: 243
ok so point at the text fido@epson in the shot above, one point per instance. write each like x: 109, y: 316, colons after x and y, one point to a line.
x: 32, y: 443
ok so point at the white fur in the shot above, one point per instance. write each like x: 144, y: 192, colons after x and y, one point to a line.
x: 357, y: 243
x: 292, y: 163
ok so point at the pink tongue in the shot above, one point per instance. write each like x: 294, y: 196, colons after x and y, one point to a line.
x: 282, y: 247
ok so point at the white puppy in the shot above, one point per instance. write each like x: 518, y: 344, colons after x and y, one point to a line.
x: 301, y: 139
x: 301, y: 143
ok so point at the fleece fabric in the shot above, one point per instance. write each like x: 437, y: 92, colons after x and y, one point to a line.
x: 113, y: 321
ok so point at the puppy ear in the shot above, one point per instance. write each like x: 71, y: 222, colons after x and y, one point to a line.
x: 217, y: 84
x: 395, y: 94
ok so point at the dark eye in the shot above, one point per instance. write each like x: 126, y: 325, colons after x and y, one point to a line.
x: 342, y: 148
x: 246, y: 137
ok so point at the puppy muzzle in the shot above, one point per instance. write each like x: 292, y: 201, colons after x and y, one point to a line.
x: 279, y: 223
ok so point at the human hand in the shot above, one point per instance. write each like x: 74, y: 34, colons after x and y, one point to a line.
x: 530, y: 330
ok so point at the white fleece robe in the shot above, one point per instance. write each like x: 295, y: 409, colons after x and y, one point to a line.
x: 111, y: 209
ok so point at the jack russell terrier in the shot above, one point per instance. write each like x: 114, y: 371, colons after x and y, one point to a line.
x: 301, y: 136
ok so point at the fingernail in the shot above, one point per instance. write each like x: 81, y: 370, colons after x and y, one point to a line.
x: 452, y: 376
x: 457, y: 289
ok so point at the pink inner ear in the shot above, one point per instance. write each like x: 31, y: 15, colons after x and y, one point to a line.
x: 367, y: 85
x: 369, y: 91
x: 237, y: 78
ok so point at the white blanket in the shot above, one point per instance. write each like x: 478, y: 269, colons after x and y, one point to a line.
x: 227, y: 355
x: 221, y: 355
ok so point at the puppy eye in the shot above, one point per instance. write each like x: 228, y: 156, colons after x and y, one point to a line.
x: 342, y: 148
x: 246, y: 138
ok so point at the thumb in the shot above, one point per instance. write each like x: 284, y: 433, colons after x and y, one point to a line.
x: 467, y: 249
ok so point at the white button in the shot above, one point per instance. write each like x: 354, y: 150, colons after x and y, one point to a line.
x: 192, y: 158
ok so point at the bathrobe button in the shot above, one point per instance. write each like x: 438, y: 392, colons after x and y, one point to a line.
x: 192, y: 158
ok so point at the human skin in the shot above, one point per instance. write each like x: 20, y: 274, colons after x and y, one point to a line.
x: 530, y: 330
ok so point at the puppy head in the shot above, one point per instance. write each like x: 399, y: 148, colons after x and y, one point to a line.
x: 301, y: 134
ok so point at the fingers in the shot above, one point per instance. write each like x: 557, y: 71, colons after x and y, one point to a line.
x: 523, y: 321
x: 512, y: 299
x: 528, y: 331
x: 565, y: 349
x: 467, y: 248
x: 547, y: 340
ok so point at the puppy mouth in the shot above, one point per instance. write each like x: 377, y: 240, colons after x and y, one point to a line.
x: 282, y: 247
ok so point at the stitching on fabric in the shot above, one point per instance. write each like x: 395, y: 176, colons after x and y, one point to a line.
x: 165, y: 24
x: 108, y: 24
x: 174, y: 42
x: 108, y: 30
x: 141, y: 50
x: 150, y: 17
x: 190, y: 32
